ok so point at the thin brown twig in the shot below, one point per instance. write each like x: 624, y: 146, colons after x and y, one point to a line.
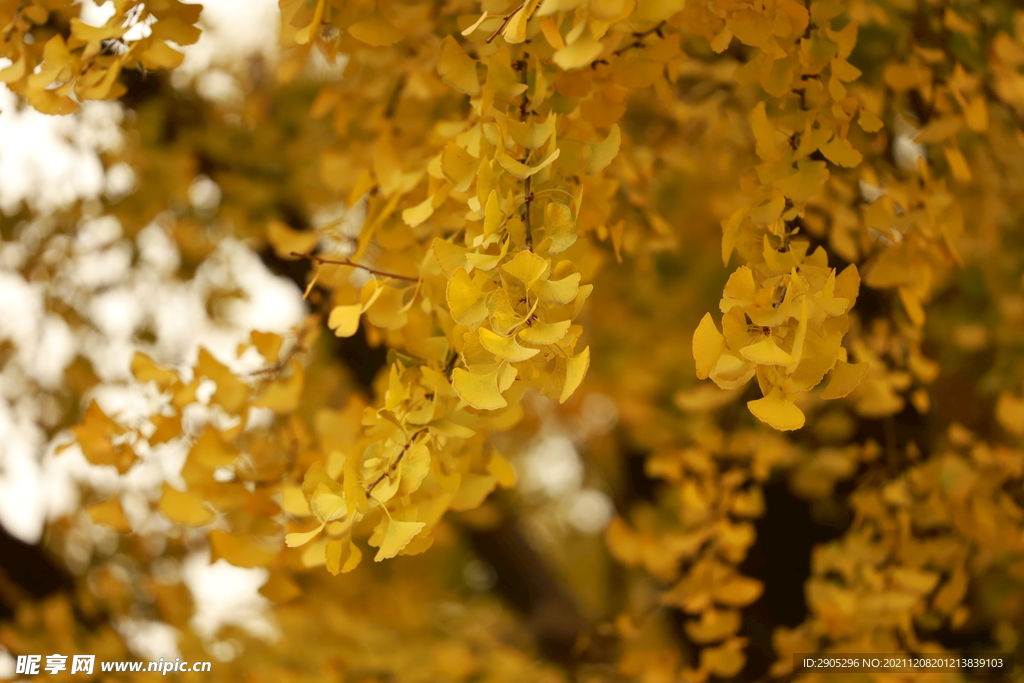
x: 391, y: 468
x: 504, y: 23
x: 346, y: 262
x: 638, y: 39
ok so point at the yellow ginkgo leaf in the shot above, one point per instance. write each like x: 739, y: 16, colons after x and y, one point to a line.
x: 478, y: 390
x: 806, y: 182
x: 415, y: 467
x: 768, y: 147
x: 415, y: 215
x: 778, y: 411
x: 457, y: 69
x: 110, y: 513
x: 241, y: 551
x: 285, y: 240
x: 766, y: 352
x: 521, y: 170
x: 476, y: 24
x: 545, y: 333
x: 530, y: 134
x: 376, y: 31
x: 840, y: 151
x: 396, y: 537
x: 184, y: 507
x: 458, y: 166
x: 355, y: 494
x: 305, y: 34
x: 145, y: 369
x: 327, y: 505
x: 713, y: 625
x: 603, y: 152
x: 739, y: 290
x: 526, y: 267
x: 845, y: 378
x: 581, y: 53
x: 465, y: 299
x: 344, y: 320
x: 560, y: 226
x: 506, y: 348
x: 493, y: 214
x: 732, y: 372
x: 342, y: 556
x: 575, y: 371
x: 557, y: 291
x: 449, y: 256
x: 294, y: 540
x: 708, y: 344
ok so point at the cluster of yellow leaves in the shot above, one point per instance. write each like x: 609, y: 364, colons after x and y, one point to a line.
x: 785, y: 324
x: 915, y: 545
x: 253, y: 457
x: 55, y: 72
x: 785, y: 312
x: 470, y: 238
x: 716, y: 493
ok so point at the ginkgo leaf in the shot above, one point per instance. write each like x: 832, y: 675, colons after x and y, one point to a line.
x: 604, y: 152
x: 465, y: 299
x: 145, y: 369
x: 478, y: 390
x: 342, y: 556
x: 376, y: 31
x: 557, y: 291
x: 493, y: 214
x: 241, y: 551
x: 415, y: 467
x: 285, y: 240
x: 869, y: 121
x: 110, y: 513
x: 581, y: 53
x: 766, y: 352
x: 845, y: 378
x: 449, y: 256
x: 522, y: 170
x: 549, y: 27
x: 532, y: 134
x: 806, y: 182
x: 305, y: 34
x: 575, y: 371
x: 505, y: 347
x: 777, y: 410
x: 472, y: 492
x: 294, y: 540
x: 396, y: 537
x: 545, y: 333
x: 184, y: 507
x: 713, y: 625
x: 764, y: 133
x: 840, y: 151
x: 458, y: 166
x: 560, y: 226
x: 355, y: 495
x: 739, y: 290
x: 708, y: 344
x: 415, y: 215
x: 327, y: 505
x: 476, y: 24
x: 526, y: 267
x: 457, y: 69
x: 284, y: 394
x: 731, y: 372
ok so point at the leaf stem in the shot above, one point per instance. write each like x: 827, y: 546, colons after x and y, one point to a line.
x: 347, y: 262
x: 504, y: 23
